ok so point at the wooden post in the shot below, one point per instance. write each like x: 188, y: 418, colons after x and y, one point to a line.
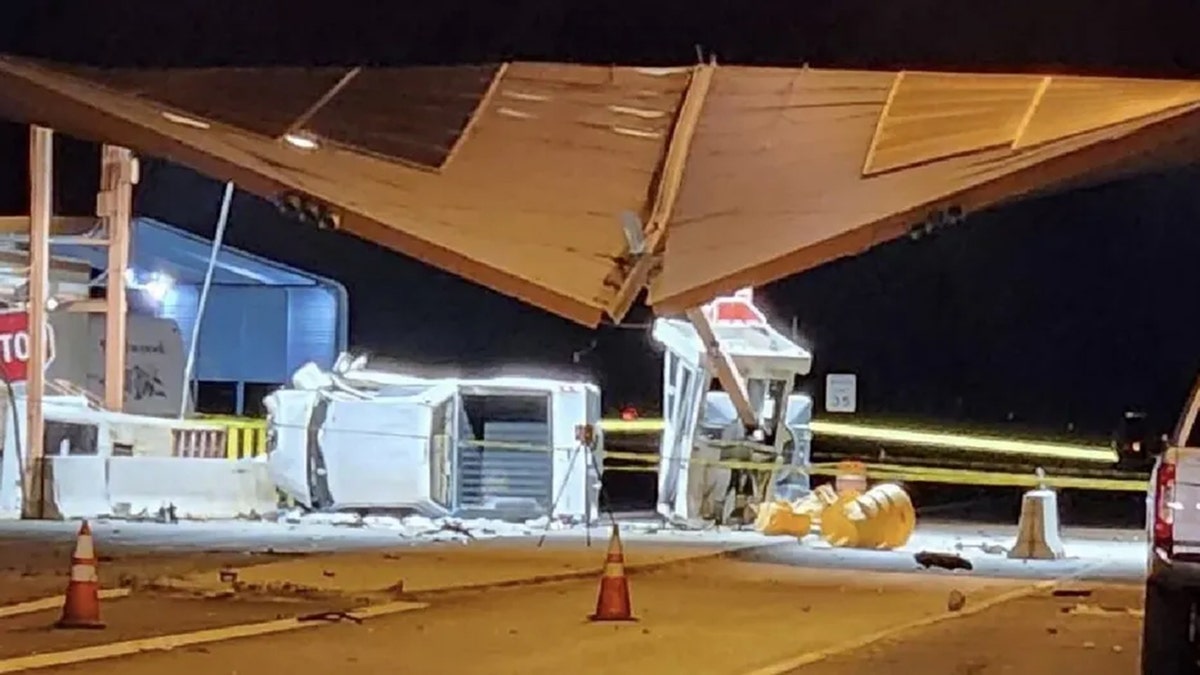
x: 41, y: 186
x: 114, y: 204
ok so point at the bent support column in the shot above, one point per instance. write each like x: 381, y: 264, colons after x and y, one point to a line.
x: 1037, y: 533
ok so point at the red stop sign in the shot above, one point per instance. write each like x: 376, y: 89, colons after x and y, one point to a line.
x: 14, y: 344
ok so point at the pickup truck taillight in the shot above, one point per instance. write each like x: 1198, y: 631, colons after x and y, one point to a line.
x: 1164, y: 517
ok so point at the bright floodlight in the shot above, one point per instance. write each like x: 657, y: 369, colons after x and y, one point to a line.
x: 158, y: 286
x: 301, y: 141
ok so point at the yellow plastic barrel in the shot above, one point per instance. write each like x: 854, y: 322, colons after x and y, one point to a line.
x: 880, y: 518
x: 779, y: 518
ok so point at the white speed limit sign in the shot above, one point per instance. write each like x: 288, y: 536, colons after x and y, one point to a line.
x: 841, y: 393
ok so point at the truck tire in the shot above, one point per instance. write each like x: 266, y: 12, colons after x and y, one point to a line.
x: 1168, y: 646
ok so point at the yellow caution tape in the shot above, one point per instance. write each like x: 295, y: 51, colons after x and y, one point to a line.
x: 247, y: 438
x: 902, y: 473
x: 935, y: 439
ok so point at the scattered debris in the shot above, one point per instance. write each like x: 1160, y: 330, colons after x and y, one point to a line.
x: 423, y: 528
x: 1101, y: 610
x: 228, y: 575
x: 949, y: 561
x: 990, y: 549
x: 273, y: 552
x: 453, y: 526
x: 956, y: 601
x: 167, y: 514
x: 333, y: 617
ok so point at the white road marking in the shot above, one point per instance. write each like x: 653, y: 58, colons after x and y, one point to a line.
x: 55, y: 602
x: 169, y: 642
x: 815, y: 656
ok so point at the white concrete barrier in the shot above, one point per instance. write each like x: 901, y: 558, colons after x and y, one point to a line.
x: 1038, y: 535
x: 76, y: 487
x: 198, y: 488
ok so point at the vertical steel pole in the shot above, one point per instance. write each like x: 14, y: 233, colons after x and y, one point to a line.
x: 218, y: 239
x: 41, y: 187
x: 118, y: 174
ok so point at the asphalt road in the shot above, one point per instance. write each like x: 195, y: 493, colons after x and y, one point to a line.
x: 723, y: 617
x: 751, y: 615
x: 1040, y: 635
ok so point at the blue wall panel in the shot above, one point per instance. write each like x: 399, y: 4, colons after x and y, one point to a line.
x: 258, y: 333
x: 244, y: 335
x: 312, y: 327
x: 180, y: 305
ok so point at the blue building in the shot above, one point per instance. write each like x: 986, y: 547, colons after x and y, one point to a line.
x: 262, y: 320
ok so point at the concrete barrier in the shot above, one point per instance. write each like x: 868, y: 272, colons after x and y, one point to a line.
x: 77, y: 487
x: 1038, y: 535
x: 198, y: 488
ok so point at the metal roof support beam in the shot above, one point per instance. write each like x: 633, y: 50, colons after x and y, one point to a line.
x: 667, y: 191
x: 297, y: 125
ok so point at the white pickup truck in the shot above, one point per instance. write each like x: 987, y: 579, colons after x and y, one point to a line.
x: 1171, y: 630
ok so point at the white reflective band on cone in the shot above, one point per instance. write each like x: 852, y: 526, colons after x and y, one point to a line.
x: 84, y: 573
x: 84, y: 549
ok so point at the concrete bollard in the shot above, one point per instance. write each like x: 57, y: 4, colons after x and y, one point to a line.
x: 1037, y: 532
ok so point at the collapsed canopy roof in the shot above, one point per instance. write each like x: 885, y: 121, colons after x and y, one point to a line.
x: 525, y: 177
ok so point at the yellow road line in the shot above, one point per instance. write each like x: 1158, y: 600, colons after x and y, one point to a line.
x: 788, y: 665
x: 47, y: 604
x: 169, y: 642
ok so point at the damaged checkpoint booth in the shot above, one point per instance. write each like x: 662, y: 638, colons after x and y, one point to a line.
x: 509, y: 447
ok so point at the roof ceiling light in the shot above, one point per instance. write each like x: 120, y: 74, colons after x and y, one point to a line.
x: 185, y: 120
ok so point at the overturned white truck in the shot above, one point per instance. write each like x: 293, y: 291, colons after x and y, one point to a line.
x: 510, y: 447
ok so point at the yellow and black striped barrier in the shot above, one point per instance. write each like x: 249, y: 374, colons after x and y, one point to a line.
x: 245, y: 437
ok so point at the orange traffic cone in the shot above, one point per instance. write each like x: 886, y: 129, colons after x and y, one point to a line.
x: 613, y: 603
x: 81, y: 607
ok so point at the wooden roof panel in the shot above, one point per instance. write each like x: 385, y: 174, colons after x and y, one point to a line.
x: 774, y: 182
x: 786, y: 169
x: 530, y: 205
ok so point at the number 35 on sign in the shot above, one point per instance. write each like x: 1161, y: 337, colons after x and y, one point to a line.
x: 14, y: 345
x: 841, y: 393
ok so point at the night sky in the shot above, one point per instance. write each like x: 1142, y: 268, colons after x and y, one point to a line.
x: 1061, y: 311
